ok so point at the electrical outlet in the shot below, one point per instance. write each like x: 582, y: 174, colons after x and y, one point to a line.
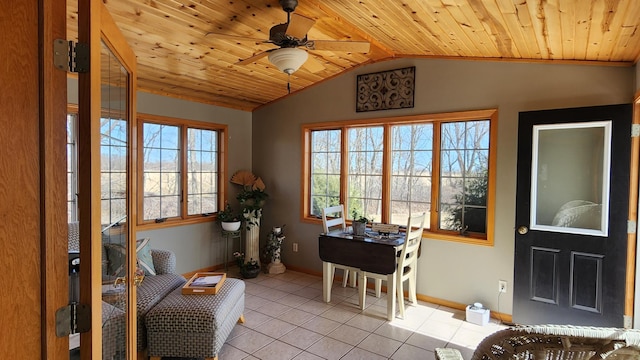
x: 502, y: 286
x: 295, y: 247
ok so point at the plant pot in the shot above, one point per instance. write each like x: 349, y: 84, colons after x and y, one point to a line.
x: 359, y: 228
x: 249, y: 273
x: 231, y: 226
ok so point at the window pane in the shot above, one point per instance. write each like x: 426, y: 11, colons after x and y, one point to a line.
x: 202, y: 186
x: 464, y: 176
x: 411, y: 164
x: 325, y: 170
x: 72, y: 168
x: 113, y: 165
x: 365, y: 151
x: 161, y: 171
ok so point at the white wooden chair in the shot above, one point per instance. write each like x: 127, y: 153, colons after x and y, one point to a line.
x: 333, y: 218
x: 407, y: 262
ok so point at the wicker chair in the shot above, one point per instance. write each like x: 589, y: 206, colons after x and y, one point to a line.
x: 554, y: 342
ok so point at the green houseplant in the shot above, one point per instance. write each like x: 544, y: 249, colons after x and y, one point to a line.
x: 229, y: 219
x: 248, y: 269
x: 359, y: 223
x: 252, y: 198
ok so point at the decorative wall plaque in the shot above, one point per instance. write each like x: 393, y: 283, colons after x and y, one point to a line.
x: 393, y: 89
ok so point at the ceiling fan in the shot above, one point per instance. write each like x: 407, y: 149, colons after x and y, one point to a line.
x: 290, y: 37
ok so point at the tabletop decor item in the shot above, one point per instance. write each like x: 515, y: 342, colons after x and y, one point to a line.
x: 359, y: 223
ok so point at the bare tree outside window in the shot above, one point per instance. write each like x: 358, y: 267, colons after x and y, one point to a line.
x: 411, y: 171
x: 113, y: 169
x: 325, y: 173
x: 161, y: 171
x: 365, y: 154
x: 386, y: 170
x: 202, y: 174
x: 464, y: 176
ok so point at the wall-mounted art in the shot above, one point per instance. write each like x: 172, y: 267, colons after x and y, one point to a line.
x: 392, y: 89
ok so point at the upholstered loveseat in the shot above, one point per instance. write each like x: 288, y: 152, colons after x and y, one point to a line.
x: 149, y: 293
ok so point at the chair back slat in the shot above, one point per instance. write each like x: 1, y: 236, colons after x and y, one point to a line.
x: 332, y: 217
x: 409, y: 253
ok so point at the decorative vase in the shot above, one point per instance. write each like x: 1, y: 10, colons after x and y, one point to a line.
x: 231, y: 226
x: 249, y: 273
x: 359, y: 228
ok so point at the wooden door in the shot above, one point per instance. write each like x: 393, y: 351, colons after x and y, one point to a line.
x: 32, y: 181
x: 105, y: 186
x: 571, y: 216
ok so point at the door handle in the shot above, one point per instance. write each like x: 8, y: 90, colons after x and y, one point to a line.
x: 523, y: 230
x: 137, y: 280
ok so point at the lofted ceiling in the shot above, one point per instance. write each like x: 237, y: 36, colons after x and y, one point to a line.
x: 182, y: 50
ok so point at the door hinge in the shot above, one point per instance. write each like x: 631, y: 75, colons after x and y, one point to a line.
x: 71, y: 56
x: 631, y: 227
x: 73, y: 318
x: 635, y: 130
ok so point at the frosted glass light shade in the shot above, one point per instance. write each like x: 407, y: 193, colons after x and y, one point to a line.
x: 288, y: 60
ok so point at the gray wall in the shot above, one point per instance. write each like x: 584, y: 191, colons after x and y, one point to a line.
x: 196, y: 246
x: 448, y: 270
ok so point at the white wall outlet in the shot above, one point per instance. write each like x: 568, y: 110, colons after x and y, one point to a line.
x: 502, y: 286
x: 295, y: 247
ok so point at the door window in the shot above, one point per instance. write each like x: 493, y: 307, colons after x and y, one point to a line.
x: 570, y: 178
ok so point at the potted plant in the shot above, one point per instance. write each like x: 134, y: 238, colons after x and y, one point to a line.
x: 248, y: 269
x: 251, y: 198
x: 359, y: 223
x: 229, y: 219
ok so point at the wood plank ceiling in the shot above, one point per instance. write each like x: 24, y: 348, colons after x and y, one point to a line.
x: 177, y: 58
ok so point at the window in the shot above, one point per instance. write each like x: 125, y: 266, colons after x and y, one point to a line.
x: 72, y: 167
x: 180, y: 172
x: 386, y: 169
x: 113, y: 169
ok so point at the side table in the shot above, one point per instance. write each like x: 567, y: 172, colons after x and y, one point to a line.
x: 230, y: 235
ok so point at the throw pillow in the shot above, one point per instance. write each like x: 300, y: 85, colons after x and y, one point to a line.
x: 145, y: 260
x: 117, y: 258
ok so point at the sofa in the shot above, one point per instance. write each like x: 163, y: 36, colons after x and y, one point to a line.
x: 149, y: 293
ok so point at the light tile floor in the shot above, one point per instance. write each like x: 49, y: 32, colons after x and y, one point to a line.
x: 287, y: 319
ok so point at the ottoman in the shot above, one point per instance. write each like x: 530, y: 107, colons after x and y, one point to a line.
x: 194, y: 326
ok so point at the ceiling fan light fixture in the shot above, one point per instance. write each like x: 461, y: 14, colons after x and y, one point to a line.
x: 288, y: 60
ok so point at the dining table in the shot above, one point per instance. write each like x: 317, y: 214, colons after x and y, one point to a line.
x: 372, y: 252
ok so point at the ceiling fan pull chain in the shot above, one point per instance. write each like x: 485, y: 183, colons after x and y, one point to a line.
x: 289, y: 83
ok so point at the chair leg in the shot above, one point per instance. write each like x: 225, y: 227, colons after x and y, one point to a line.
x: 345, y: 276
x: 412, y: 289
x: 378, y: 287
x: 400, y: 295
x: 352, y: 279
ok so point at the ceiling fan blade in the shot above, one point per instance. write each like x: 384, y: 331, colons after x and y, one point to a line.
x: 312, y: 64
x: 299, y: 26
x: 333, y: 45
x: 253, y: 58
x: 235, y: 37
